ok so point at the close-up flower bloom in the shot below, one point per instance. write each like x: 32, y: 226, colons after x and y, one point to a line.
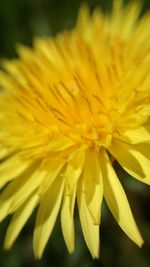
x: 69, y: 107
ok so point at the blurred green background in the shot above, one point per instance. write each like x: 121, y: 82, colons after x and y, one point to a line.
x: 20, y: 20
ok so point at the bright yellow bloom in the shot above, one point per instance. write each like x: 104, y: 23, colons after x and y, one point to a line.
x: 68, y: 108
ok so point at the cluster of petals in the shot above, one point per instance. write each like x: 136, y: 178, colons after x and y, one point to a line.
x: 69, y: 107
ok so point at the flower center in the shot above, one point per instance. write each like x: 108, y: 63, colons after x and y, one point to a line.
x: 96, y: 131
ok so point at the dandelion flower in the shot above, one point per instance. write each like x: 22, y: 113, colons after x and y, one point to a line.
x: 69, y: 107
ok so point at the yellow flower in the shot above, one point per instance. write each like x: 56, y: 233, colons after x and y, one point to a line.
x: 69, y: 108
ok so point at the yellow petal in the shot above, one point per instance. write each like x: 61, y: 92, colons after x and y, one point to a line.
x: 54, y: 167
x: 67, y: 222
x: 60, y: 144
x: 4, y: 152
x: 124, y: 18
x: 93, y: 185
x: 131, y: 14
x: 19, y: 190
x: 74, y: 167
x: 11, y: 168
x: 144, y: 149
x: 47, y: 214
x: 90, y: 230
x: 83, y: 18
x: 117, y: 201
x: 132, y: 160
x: 116, y: 16
x: 25, y: 188
x: 135, y: 136
x: 19, y: 219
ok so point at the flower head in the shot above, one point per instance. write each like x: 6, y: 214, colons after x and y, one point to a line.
x: 69, y: 107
